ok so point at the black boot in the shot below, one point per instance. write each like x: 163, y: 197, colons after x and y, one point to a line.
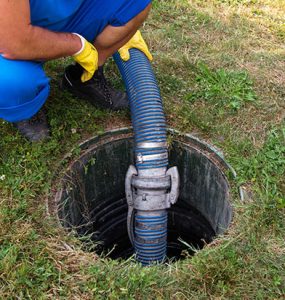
x: 35, y: 129
x: 96, y: 90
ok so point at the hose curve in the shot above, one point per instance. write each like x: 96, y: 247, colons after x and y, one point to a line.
x: 149, y: 184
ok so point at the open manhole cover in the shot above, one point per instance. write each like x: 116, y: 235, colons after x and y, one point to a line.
x: 91, y: 199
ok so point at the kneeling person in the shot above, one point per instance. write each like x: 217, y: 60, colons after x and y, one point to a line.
x: 90, y: 31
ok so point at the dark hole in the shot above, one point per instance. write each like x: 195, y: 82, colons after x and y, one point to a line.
x: 107, y: 224
x: 92, y: 199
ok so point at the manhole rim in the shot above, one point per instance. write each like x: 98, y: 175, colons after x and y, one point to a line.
x: 88, y: 146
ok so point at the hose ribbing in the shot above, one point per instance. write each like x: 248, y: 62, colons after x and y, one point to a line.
x: 150, y: 233
x: 146, y: 106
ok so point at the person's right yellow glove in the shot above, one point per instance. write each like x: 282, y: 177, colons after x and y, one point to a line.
x: 87, y: 57
x: 137, y: 42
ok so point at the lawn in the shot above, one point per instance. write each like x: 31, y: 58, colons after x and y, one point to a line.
x: 220, y: 65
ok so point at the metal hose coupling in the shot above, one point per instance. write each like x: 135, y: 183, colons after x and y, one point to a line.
x: 148, y: 198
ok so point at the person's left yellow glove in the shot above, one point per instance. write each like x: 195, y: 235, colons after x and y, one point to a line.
x: 87, y: 57
x: 137, y: 42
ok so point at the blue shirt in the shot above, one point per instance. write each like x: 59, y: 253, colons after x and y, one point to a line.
x: 86, y: 17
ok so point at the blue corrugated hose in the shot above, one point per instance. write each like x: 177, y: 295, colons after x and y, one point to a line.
x: 150, y: 233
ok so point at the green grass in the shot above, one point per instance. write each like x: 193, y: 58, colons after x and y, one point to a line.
x: 220, y: 67
x: 224, y: 89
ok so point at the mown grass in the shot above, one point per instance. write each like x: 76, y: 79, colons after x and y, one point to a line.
x: 220, y: 66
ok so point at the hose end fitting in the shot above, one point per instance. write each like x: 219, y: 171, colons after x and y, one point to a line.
x: 148, y: 198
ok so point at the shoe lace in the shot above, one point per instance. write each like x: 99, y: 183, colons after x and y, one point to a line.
x: 104, y: 85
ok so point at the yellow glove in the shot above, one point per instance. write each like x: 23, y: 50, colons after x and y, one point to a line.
x: 87, y: 57
x: 137, y: 42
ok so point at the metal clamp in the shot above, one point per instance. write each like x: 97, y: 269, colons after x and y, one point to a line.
x: 151, y: 145
x: 144, y: 158
x: 149, y: 194
x: 175, y: 184
x: 132, y: 171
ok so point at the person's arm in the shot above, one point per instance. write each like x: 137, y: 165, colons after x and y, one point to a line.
x: 21, y: 40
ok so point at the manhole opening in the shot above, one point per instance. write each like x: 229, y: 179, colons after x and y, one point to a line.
x: 91, y: 200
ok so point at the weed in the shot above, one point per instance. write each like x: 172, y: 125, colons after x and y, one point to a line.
x: 266, y: 168
x: 267, y: 162
x: 224, y: 89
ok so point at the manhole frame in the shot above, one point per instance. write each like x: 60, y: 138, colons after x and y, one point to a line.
x: 87, y: 146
